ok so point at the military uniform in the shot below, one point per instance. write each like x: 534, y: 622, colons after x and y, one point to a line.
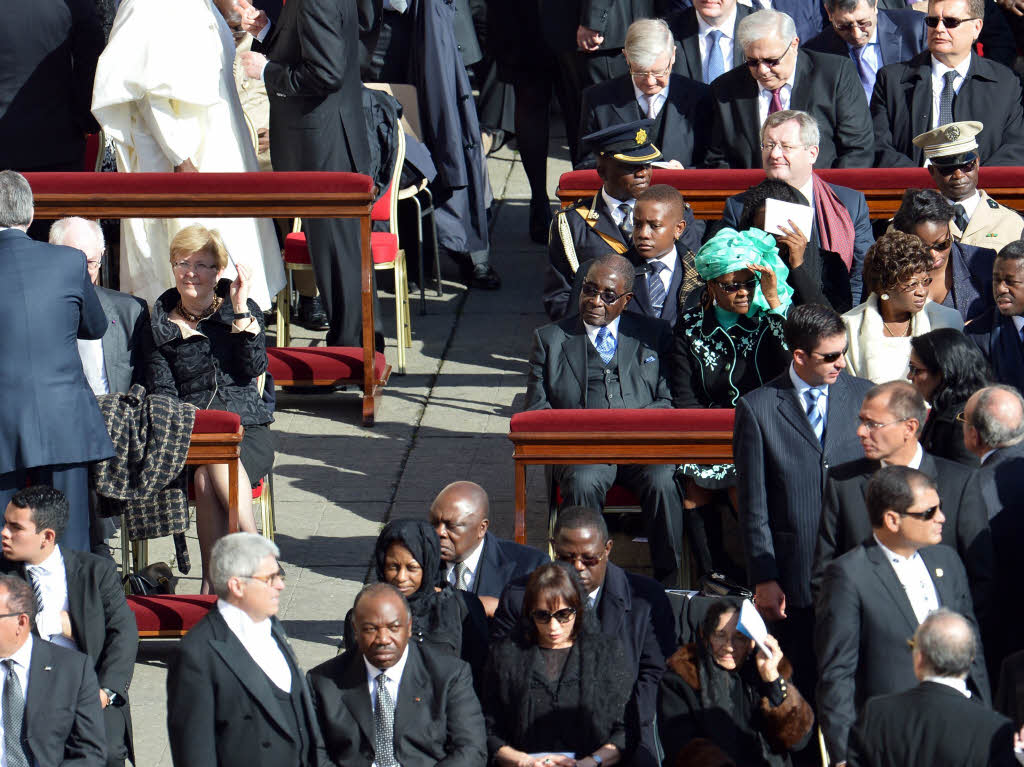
x: 992, y: 225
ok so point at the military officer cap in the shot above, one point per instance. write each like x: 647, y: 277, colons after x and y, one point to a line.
x: 627, y: 142
x: 951, y: 144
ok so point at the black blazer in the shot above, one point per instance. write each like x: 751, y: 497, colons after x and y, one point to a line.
x: 634, y: 609
x: 63, y: 718
x: 48, y: 54
x: 845, y: 524
x: 999, y: 341
x: 686, y: 31
x: 682, y: 295
x: 901, y: 108
x: 781, y: 468
x: 943, y: 436
x: 679, y: 130
x: 927, y: 725
x: 806, y: 15
x: 437, y: 715
x: 503, y: 561
x: 221, y: 707
x: 50, y: 415
x: 826, y: 86
x: 126, y: 342
x: 863, y: 620
x: 558, y: 364
x: 901, y: 35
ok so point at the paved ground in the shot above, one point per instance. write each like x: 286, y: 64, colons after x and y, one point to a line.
x: 336, y: 482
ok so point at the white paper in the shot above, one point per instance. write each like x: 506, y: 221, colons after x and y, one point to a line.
x: 778, y: 212
x: 752, y: 624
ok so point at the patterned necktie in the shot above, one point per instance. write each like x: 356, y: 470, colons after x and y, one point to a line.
x: 946, y: 98
x: 14, y: 716
x: 626, y: 227
x: 35, y: 579
x: 776, y: 102
x: 960, y: 217
x: 461, y: 576
x: 814, y: 414
x: 652, y: 103
x: 714, y: 66
x: 605, y: 345
x: 655, y: 286
x: 867, y: 77
x: 384, y: 726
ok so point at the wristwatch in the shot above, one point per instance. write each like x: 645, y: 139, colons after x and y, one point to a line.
x: 241, y: 315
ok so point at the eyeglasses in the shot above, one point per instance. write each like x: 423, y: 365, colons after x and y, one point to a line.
x: 11, y: 615
x: 831, y: 356
x: 656, y: 75
x: 914, y: 370
x: 910, y: 287
x: 949, y: 170
x: 949, y: 22
x: 736, y: 287
x: 563, y: 616
x: 770, y: 63
x: 962, y: 418
x: 608, y: 297
x: 771, y: 146
x: 875, y: 426
x: 267, y: 579
x: 585, y: 559
x: 185, y: 267
x: 940, y: 245
x: 924, y: 516
x: 863, y: 26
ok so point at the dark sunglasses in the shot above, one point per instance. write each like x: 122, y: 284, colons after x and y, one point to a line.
x: 924, y: 516
x: 736, y: 287
x: 831, y: 356
x: 949, y: 170
x: 770, y: 63
x: 544, y: 617
x: 949, y: 22
x: 943, y: 245
x: 606, y: 296
x: 584, y: 560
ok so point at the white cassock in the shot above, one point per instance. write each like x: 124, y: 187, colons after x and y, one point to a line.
x: 164, y: 93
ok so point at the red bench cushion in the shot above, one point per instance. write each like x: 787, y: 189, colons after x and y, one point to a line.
x: 170, y: 612
x: 320, y: 365
x: 200, y: 183
x: 216, y: 422
x: 622, y: 420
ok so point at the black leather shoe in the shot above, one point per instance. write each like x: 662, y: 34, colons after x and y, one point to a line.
x: 311, y: 313
x: 484, y: 277
x: 540, y: 221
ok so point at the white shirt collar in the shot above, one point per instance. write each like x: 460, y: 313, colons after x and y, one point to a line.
x: 939, y: 69
x: 394, y: 673
x: 241, y: 624
x: 52, y: 564
x: 1018, y: 322
x: 613, y: 205
x: 765, y: 93
x: 23, y: 657
x: 613, y: 328
x: 472, y: 562
x: 594, y: 594
x: 958, y: 684
x: 642, y: 98
x: 727, y: 28
x: 669, y: 259
x: 915, y: 462
x: 970, y: 204
x: 892, y: 556
x: 801, y: 385
x: 987, y: 454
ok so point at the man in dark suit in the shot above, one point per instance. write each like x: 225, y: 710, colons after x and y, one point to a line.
x: 235, y: 692
x: 806, y: 15
x: 472, y: 557
x: 948, y: 82
x: 604, y: 223
x: 80, y: 604
x: 606, y: 359
x: 891, y: 418
x: 50, y: 421
x: 676, y: 104
x: 395, y: 702
x: 998, y: 332
x: 706, y: 38
x: 49, y: 691
x: 787, y: 435
x: 778, y: 75
x: 830, y: 231
x: 935, y: 722
x: 629, y: 607
x: 316, y: 123
x: 871, y: 38
x: 601, y: 35
x: 874, y: 596
x: 47, y: 64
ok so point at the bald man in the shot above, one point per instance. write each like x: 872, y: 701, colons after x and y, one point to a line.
x: 472, y: 558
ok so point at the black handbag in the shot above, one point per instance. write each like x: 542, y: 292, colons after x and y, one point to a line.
x: 151, y: 581
x: 718, y: 585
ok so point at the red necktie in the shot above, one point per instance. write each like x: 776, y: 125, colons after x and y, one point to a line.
x: 776, y: 104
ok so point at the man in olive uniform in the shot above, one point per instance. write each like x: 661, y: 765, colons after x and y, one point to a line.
x: 604, y: 223
x: 951, y: 150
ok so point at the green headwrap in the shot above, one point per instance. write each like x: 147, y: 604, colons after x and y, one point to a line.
x: 730, y: 251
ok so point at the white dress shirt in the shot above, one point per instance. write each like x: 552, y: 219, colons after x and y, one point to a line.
x: 802, y: 387
x: 259, y: 642
x: 916, y: 580
x: 593, y: 595
x: 970, y: 204
x: 958, y: 684
x: 95, y: 370
x: 726, y: 42
x: 53, y: 581
x: 22, y: 660
x: 1018, y: 322
x: 472, y: 563
x: 669, y: 259
x: 613, y: 328
x: 394, y: 679
x: 915, y: 462
x: 764, y: 96
x: 644, y: 101
x: 938, y: 82
x: 613, y: 206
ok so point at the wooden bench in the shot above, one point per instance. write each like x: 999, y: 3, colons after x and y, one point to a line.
x: 707, y: 190
x: 552, y: 437
x: 227, y: 195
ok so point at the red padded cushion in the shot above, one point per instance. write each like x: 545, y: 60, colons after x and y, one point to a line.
x: 216, y: 422
x: 381, y: 210
x: 170, y: 612
x: 295, y: 250
x: 256, y: 491
x: 319, y: 365
x: 622, y: 420
x: 384, y: 247
x: 276, y: 182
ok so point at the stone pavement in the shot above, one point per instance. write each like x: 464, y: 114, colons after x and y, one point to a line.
x: 336, y: 482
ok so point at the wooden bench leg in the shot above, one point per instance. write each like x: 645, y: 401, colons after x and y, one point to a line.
x: 520, y: 512
x: 233, y: 496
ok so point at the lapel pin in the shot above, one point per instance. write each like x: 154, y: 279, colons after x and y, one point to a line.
x: 938, y: 572
x: 47, y: 668
x: 415, y: 700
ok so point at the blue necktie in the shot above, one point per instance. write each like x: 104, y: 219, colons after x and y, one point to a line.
x: 655, y: 286
x: 814, y: 414
x: 867, y: 77
x: 605, y: 345
x: 715, y: 63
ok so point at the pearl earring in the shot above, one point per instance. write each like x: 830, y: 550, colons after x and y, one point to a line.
x: 884, y: 296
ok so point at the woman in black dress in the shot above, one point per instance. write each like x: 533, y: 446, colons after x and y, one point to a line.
x: 555, y: 691
x: 946, y: 368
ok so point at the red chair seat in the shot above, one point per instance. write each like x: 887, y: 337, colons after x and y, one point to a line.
x: 169, y: 614
x: 256, y: 491
x: 320, y: 365
x: 384, y: 247
x: 622, y: 420
x: 295, y: 250
x: 216, y: 422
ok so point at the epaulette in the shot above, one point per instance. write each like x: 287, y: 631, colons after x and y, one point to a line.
x: 992, y: 204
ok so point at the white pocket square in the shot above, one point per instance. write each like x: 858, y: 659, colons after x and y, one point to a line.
x: 652, y: 358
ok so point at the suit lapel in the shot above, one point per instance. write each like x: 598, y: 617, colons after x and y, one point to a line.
x: 411, y: 692
x: 889, y: 41
x: 76, y: 596
x: 939, y: 579
x: 839, y: 401
x: 605, y: 222
x: 1006, y: 346
x: 108, y: 348
x: 920, y: 103
x: 626, y: 107
x: 614, y: 602
x: 671, y: 309
x: 691, y: 52
x: 356, y: 693
x: 626, y: 349
x: 884, y: 572
x: 575, y: 347
x: 790, y: 409
x: 801, y: 95
x: 641, y: 295
x: 41, y: 679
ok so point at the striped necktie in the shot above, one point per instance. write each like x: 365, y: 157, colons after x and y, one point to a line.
x: 814, y: 414
x: 655, y: 285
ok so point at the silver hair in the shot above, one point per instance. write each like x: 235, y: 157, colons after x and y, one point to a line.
x: 59, y: 230
x: 237, y: 556
x: 809, y: 133
x: 992, y: 429
x: 16, y: 206
x: 767, y: 23
x: 646, y: 41
x: 947, y: 643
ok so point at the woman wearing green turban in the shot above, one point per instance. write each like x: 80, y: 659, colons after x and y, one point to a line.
x: 729, y: 346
